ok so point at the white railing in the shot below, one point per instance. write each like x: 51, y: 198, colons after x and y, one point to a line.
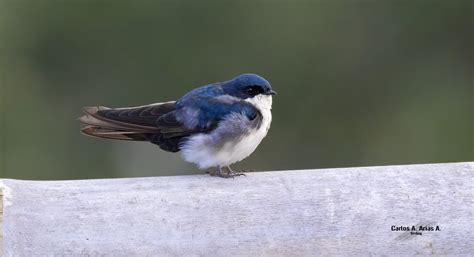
x: 349, y: 212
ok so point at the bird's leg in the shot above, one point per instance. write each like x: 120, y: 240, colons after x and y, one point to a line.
x: 232, y: 173
x: 229, y: 174
x: 218, y: 172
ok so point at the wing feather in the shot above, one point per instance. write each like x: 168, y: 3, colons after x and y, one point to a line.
x: 132, y: 123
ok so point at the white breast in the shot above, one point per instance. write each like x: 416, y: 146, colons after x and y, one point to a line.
x: 201, y: 149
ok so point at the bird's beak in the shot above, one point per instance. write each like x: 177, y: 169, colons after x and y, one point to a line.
x: 271, y: 92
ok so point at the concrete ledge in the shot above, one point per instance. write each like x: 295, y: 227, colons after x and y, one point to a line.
x: 349, y: 211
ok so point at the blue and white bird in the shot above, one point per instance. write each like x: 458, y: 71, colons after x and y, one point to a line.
x: 213, y: 126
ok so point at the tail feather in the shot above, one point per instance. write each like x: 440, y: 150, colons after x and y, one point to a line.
x: 113, y: 134
x: 94, y: 115
x: 133, y: 123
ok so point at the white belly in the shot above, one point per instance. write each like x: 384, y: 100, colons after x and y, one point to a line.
x: 201, y: 149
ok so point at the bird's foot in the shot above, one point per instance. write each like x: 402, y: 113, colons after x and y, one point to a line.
x: 218, y: 173
x: 233, y: 174
x: 229, y: 174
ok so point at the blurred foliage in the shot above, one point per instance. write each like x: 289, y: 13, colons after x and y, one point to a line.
x: 360, y: 82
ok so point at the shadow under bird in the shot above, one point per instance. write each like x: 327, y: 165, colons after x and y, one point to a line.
x: 213, y: 126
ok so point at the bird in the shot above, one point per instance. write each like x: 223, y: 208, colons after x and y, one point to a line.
x: 212, y: 126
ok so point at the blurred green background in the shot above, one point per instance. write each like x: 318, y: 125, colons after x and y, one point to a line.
x: 360, y: 82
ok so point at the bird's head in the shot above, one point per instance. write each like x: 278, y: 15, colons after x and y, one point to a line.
x: 248, y: 86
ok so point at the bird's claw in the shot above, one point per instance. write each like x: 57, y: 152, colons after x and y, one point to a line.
x: 229, y: 174
x: 233, y: 174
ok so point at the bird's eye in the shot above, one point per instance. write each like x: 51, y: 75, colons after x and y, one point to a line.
x: 253, y: 90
